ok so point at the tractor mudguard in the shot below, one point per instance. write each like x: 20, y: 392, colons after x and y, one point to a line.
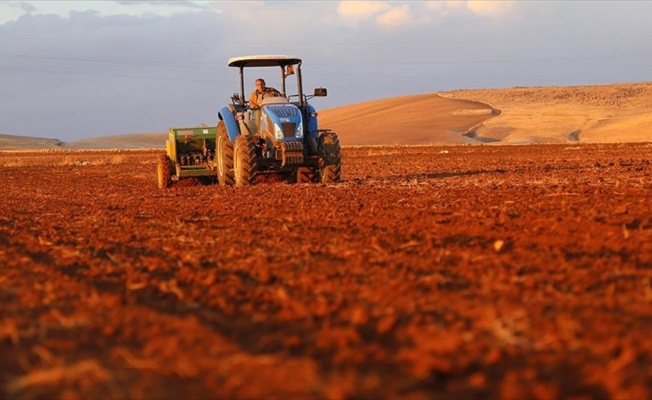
x: 313, y: 128
x: 232, y: 128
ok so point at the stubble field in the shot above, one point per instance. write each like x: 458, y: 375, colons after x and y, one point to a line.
x: 429, y: 272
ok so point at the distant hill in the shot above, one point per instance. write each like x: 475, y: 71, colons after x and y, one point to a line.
x: 407, y: 120
x: 13, y: 142
x: 134, y: 141
x: 614, y: 113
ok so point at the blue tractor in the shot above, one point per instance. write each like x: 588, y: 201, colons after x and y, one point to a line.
x: 279, y: 137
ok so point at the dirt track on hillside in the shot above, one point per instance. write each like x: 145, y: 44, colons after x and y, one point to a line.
x: 430, y: 272
x: 616, y: 113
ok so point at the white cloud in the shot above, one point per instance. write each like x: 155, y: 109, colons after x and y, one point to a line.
x: 455, y: 4
x: 383, y: 13
x: 396, y: 16
x: 490, y: 8
x: 433, y: 5
x: 483, y: 8
x: 361, y: 10
x: 12, y: 10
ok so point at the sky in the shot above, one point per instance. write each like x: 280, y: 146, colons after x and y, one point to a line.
x: 81, y: 69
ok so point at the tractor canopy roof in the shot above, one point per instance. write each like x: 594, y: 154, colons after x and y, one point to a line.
x: 263, y: 61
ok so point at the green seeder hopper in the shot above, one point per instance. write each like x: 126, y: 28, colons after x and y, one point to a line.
x: 189, y: 153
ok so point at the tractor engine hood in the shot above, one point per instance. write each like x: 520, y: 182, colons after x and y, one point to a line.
x: 283, y: 120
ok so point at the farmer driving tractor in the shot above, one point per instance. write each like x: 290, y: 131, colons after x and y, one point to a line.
x: 261, y: 92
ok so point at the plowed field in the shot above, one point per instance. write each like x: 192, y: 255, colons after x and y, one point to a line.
x: 429, y: 272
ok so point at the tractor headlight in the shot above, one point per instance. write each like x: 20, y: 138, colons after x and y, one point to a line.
x: 299, y: 132
x: 278, y: 133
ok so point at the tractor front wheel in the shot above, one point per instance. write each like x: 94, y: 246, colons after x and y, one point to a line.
x: 245, y: 162
x: 225, y: 174
x: 328, y: 146
x: 164, y: 172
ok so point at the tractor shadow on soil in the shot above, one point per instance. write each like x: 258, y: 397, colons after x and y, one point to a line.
x: 210, y: 181
x: 429, y: 176
x: 443, y: 175
x: 458, y: 174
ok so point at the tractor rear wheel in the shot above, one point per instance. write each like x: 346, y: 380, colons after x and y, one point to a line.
x: 164, y: 172
x: 225, y: 174
x: 245, y: 162
x: 328, y: 146
x: 306, y: 175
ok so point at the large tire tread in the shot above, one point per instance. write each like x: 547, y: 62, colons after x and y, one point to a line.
x: 306, y: 175
x: 245, y: 161
x: 331, y: 174
x: 225, y: 151
x: 329, y: 148
x: 164, y: 172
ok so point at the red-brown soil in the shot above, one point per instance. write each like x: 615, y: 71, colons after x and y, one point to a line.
x: 429, y: 272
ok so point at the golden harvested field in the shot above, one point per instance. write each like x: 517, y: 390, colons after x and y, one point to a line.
x: 618, y: 113
x: 583, y: 114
